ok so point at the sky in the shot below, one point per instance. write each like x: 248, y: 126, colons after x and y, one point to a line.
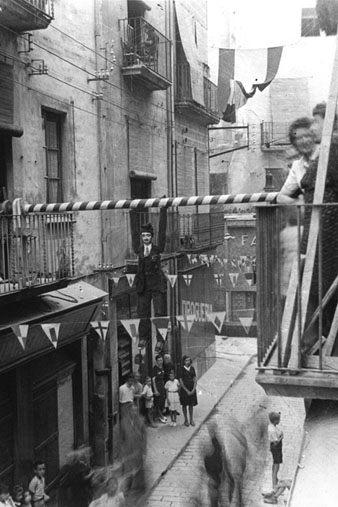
x: 252, y: 24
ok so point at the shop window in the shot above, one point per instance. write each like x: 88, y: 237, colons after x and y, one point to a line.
x: 53, y: 174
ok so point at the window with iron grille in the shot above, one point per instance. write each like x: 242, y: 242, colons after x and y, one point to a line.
x: 52, y: 126
x: 310, y: 25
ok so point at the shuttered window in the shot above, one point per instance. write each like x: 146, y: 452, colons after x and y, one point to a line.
x: 6, y: 93
x: 52, y: 126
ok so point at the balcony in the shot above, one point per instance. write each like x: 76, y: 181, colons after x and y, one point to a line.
x: 274, y: 136
x: 297, y: 302
x: 184, y: 101
x: 36, y: 253
x: 146, y: 54
x: 191, y: 232
x: 23, y: 15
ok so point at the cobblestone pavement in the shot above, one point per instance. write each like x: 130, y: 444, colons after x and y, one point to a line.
x: 244, y: 408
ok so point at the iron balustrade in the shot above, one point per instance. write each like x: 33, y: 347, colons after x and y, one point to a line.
x: 274, y: 134
x: 142, y: 44
x: 183, y: 88
x: 189, y: 231
x: 35, y: 249
x: 46, y: 6
x: 281, y: 251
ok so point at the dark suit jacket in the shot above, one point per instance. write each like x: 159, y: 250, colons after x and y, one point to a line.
x: 150, y: 268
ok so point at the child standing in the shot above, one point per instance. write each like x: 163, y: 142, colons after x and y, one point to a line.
x: 172, y: 387
x: 27, y: 499
x: 37, y: 485
x: 148, y: 395
x: 275, y: 438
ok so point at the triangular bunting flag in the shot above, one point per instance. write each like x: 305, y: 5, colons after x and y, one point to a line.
x: 233, y: 278
x: 186, y: 321
x: 189, y: 257
x: 225, y: 261
x: 163, y: 332
x: 131, y: 326
x: 130, y: 278
x: 249, y: 278
x: 21, y: 332
x: 234, y: 264
x: 116, y: 280
x: 172, y: 279
x: 52, y: 332
x: 217, y: 319
x: 246, y: 323
x: 101, y: 327
x: 187, y: 279
x: 218, y: 277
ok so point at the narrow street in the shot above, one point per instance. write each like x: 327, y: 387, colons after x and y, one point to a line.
x: 243, y: 410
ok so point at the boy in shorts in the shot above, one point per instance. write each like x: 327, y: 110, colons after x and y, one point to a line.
x: 275, y: 438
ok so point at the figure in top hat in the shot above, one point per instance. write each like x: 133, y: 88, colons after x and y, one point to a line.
x: 151, y: 283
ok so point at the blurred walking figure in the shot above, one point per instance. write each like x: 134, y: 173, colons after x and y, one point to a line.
x: 75, y: 483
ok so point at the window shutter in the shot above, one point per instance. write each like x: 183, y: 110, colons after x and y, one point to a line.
x: 6, y: 93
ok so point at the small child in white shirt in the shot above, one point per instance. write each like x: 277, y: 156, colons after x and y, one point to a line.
x: 172, y: 387
x: 148, y: 395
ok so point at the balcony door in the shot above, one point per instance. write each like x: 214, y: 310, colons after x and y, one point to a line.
x: 53, y: 172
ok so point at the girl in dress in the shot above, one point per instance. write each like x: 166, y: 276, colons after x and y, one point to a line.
x: 172, y: 387
x: 188, y: 382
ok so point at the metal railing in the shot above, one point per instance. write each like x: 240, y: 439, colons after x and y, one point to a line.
x: 45, y: 6
x: 274, y: 134
x: 191, y: 231
x: 35, y: 249
x: 285, y: 325
x: 142, y: 44
x: 183, y: 89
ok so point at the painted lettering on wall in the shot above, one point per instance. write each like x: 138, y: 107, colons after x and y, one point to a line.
x: 196, y: 308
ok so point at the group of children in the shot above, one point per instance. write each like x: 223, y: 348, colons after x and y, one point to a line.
x: 172, y: 387
x: 34, y: 496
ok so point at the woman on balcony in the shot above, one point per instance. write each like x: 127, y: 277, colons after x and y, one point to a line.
x: 299, y: 187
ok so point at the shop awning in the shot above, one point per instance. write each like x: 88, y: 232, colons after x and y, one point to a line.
x: 72, y: 309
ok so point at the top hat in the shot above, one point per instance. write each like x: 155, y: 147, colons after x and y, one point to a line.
x: 147, y: 228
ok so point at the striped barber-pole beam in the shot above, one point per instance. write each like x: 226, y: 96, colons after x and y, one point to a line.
x: 150, y: 203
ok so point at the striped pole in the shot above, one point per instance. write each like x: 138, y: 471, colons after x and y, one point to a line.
x: 150, y: 203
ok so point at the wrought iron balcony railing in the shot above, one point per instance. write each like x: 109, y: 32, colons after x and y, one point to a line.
x: 297, y: 303
x: 23, y: 15
x: 144, y: 46
x: 185, y: 231
x: 183, y: 89
x: 274, y: 135
x: 35, y: 250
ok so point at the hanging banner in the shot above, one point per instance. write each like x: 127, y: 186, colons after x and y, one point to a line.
x: 172, y: 279
x: 21, y: 332
x: 218, y: 277
x: 187, y: 279
x: 52, y: 332
x: 217, y: 319
x: 233, y: 278
x: 130, y: 278
x: 131, y: 326
x: 101, y: 327
x: 186, y: 321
